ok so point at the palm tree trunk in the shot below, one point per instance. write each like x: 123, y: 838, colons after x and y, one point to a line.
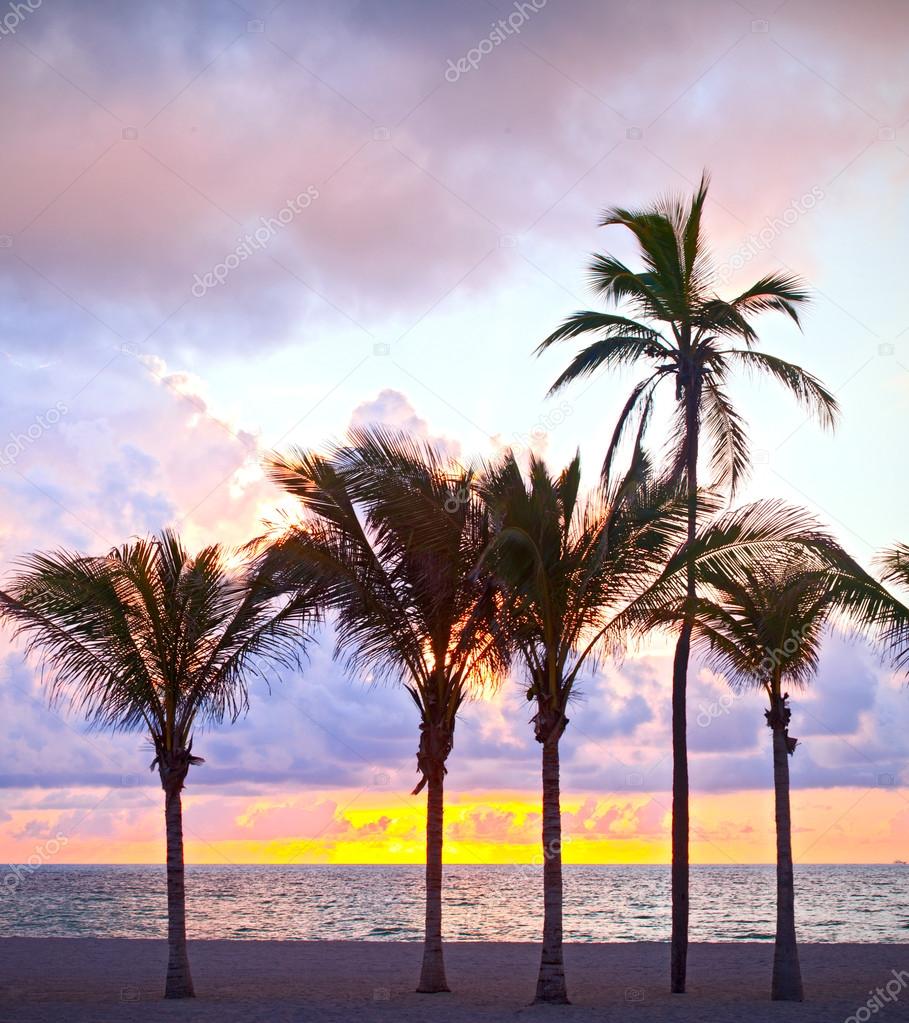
x: 179, y: 980
x: 551, y: 981
x: 678, y: 961
x: 679, y: 940
x: 432, y: 974
x: 787, y: 974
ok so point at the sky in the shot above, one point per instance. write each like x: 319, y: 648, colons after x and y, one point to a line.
x: 228, y: 227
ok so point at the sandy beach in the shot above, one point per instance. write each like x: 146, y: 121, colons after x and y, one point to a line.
x: 87, y: 979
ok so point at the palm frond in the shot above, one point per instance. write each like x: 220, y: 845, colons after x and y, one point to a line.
x: 730, y: 458
x: 894, y: 564
x: 776, y: 292
x: 810, y: 393
x: 607, y: 353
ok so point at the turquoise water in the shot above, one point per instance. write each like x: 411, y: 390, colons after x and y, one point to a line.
x: 485, y: 903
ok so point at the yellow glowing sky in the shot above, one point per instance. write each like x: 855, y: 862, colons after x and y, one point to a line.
x: 830, y: 826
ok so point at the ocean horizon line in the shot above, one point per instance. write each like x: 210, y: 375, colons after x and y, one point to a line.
x: 485, y: 865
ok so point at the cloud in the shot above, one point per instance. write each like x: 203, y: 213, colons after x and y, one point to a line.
x: 393, y: 410
x: 488, y: 824
x: 451, y: 224
x: 407, y: 205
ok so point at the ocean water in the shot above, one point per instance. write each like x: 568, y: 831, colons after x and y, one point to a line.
x: 481, y: 903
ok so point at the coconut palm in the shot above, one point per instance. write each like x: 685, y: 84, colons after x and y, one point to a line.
x: 393, y: 530
x: 149, y: 638
x: 683, y: 332
x: 568, y: 565
x: 759, y: 619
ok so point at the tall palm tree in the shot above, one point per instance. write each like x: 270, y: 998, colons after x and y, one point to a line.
x: 568, y: 565
x: 765, y: 632
x: 769, y: 581
x: 393, y: 530
x: 149, y: 638
x: 683, y: 332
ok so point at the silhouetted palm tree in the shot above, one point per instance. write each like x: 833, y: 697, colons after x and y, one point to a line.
x: 682, y: 331
x: 394, y: 531
x: 759, y: 619
x: 568, y: 565
x: 151, y: 639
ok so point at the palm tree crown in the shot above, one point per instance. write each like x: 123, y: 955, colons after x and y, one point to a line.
x: 759, y: 569
x: 394, y: 531
x: 569, y: 563
x: 150, y: 638
x: 765, y: 628
x: 685, y: 332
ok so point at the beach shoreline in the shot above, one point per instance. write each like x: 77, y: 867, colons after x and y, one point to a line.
x: 107, y: 979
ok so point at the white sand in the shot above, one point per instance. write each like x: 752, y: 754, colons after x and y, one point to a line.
x: 87, y: 979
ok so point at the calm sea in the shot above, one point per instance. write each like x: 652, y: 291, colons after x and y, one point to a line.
x: 602, y: 903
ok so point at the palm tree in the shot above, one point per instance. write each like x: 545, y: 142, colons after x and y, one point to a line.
x: 682, y: 331
x: 759, y: 619
x: 393, y: 530
x: 152, y: 639
x: 568, y: 565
